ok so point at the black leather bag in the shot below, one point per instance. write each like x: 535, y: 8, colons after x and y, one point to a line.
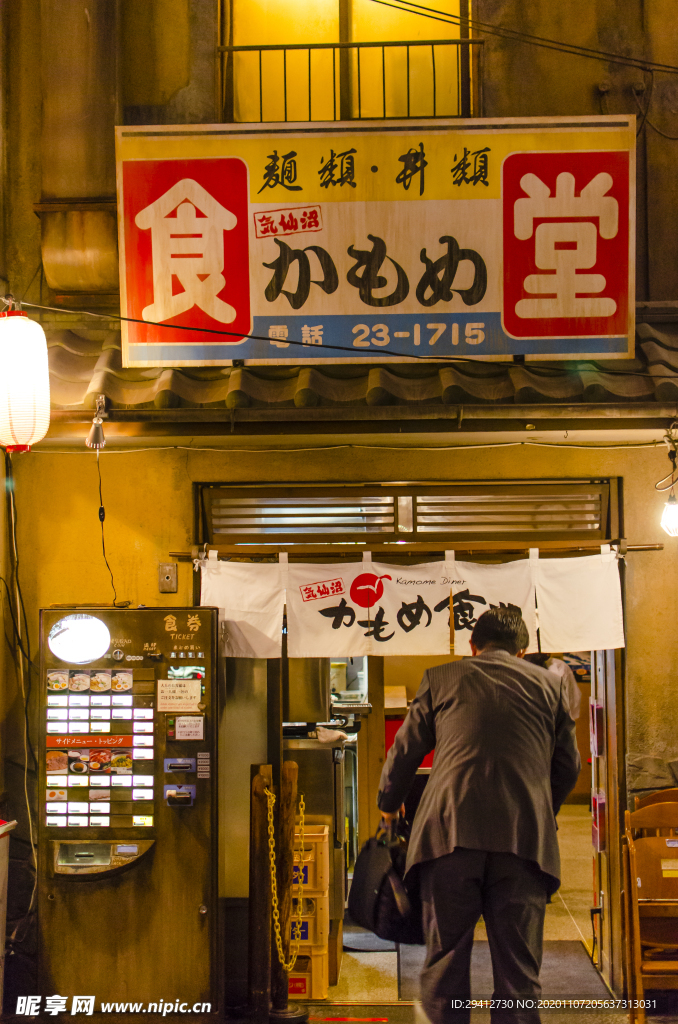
x: 380, y: 899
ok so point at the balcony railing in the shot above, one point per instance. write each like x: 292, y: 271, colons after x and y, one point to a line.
x: 344, y: 81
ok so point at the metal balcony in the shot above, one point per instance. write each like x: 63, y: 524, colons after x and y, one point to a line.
x: 431, y: 78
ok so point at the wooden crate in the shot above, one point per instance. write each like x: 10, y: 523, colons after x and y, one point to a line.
x: 316, y: 858
x: 309, y: 979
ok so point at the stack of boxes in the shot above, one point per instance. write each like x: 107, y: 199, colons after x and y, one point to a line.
x: 309, y: 978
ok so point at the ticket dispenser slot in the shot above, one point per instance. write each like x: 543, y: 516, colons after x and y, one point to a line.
x: 88, y: 859
x: 179, y: 764
x: 179, y: 796
x: 85, y: 855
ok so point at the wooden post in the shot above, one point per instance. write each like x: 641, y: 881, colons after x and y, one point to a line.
x: 285, y: 850
x: 259, y: 951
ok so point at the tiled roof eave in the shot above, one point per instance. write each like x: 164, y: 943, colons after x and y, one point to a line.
x: 82, y: 369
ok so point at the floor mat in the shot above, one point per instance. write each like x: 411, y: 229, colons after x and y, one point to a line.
x: 360, y: 940
x: 566, y: 971
x: 360, y: 1013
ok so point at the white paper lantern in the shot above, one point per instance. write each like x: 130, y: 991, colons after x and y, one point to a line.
x: 24, y: 382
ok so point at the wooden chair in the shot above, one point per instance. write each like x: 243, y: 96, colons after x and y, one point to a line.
x: 662, y: 796
x: 650, y: 901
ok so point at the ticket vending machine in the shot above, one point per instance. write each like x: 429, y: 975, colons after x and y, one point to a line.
x: 127, y: 808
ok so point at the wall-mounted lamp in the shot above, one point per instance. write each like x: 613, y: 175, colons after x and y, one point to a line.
x: 95, y: 438
x: 669, y: 520
x: 670, y: 516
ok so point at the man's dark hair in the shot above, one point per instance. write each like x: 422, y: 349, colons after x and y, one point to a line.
x: 501, y: 628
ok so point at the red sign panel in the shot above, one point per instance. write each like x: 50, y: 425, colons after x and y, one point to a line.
x: 566, y: 244
x: 187, y: 249
x: 75, y: 742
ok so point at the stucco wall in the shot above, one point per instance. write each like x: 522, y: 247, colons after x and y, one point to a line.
x: 149, y: 512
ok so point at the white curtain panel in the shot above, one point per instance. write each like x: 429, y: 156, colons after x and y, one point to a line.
x: 360, y: 608
x: 251, y: 599
x: 476, y: 588
x: 579, y: 603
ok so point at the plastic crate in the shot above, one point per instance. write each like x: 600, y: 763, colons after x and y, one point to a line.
x: 316, y: 858
x: 309, y: 979
x: 315, y: 919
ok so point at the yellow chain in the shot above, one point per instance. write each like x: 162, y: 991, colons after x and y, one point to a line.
x: 287, y: 966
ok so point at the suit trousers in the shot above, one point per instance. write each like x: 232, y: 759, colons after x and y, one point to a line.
x: 511, y: 895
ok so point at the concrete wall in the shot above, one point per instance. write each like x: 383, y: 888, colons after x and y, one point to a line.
x: 168, y: 73
x: 149, y: 512
x: 523, y: 79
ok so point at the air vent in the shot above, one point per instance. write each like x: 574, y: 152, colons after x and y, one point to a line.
x: 273, y: 517
x: 514, y: 510
x: 545, y: 512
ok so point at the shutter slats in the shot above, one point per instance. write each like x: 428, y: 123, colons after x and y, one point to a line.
x: 397, y: 513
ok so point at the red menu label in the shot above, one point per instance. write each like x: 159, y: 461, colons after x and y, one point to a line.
x: 75, y: 742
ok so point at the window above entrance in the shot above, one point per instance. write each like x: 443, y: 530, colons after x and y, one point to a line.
x: 386, y: 513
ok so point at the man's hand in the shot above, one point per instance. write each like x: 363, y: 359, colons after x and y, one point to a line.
x: 390, y: 816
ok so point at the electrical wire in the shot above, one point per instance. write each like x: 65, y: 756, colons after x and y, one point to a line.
x: 645, y: 112
x: 363, y: 447
x: 646, y: 120
x: 25, y: 651
x: 25, y: 686
x: 671, y: 442
x: 235, y: 334
x: 38, y: 270
x: 102, y: 516
x: 408, y: 7
x: 556, y: 373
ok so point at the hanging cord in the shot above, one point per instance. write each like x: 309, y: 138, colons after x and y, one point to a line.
x: 671, y: 442
x: 644, y: 118
x: 102, y: 516
x: 288, y: 965
x: 24, y: 652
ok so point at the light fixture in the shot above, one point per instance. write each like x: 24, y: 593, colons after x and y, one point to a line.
x: 79, y: 639
x: 95, y: 438
x: 670, y: 516
x: 24, y: 380
x: 669, y: 520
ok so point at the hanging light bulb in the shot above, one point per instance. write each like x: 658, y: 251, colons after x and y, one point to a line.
x: 670, y: 516
x: 24, y: 381
x: 95, y: 438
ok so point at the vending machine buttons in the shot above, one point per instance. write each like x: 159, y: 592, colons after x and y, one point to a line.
x: 170, y: 723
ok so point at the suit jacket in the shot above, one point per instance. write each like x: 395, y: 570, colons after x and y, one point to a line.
x: 505, y: 759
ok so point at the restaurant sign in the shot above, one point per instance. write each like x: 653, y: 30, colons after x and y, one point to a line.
x: 356, y: 241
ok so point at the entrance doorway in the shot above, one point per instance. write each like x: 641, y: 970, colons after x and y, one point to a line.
x: 373, y: 970
x: 495, y: 521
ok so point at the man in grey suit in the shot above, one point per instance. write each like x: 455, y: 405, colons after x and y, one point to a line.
x: 484, y: 835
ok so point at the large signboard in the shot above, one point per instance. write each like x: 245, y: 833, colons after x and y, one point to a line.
x: 355, y: 241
